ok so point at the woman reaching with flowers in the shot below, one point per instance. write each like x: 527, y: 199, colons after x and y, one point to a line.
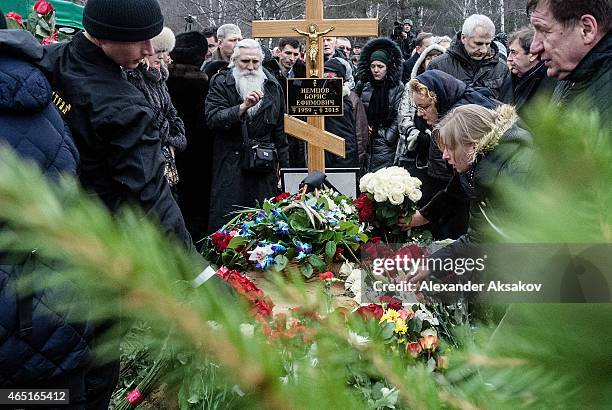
x: 486, y: 148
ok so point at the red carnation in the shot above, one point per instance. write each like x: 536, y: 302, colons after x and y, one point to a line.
x: 42, y: 7
x: 370, y: 311
x: 392, y: 303
x: 50, y: 39
x: 326, y: 276
x: 365, y: 208
x: 263, y: 308
x: 14, y: 16
x: 282, y: 196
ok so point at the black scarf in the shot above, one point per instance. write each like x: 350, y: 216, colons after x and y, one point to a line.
x: 378, y: 108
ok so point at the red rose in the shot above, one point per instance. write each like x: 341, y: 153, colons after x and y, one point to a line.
x: 221, y: 240
x: 375, y: 239
x: 42, y: 7
x: 326, y: 276
x: 14, y: 16
x: 365, y: 208
x: 392, y: 303
x: 298, y: 197
x: 370, y: 311
x: 282, y: 197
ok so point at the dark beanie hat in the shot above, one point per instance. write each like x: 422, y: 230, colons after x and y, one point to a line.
x: 123, y: 20
x: 190, y: 48
x: 2, y: 20
x: 380, y: 55
x: 333, y: 65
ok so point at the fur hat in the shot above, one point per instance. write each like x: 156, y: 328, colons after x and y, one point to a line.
x: 121, y: 20
x: 190, y: 48
x: 164, y: 41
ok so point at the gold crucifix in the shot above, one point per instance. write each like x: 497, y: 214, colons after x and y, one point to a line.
x: 313, y: 45
x: 313, y: 132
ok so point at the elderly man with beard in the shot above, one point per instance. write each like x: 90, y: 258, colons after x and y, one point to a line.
x: 244, y: 108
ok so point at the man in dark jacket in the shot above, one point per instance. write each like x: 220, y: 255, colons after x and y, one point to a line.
x: 244, y: 108
x: 574, y: 41
x: 528, y: 72
x: 473, y: 57
x: 408, y: 40
x: 423, y: 40
x: 342, y: 126
x: 288, y: 65
x: 188, y: 86
x: 44, y: 342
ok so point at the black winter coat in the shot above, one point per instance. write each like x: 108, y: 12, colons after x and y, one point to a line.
x: 58, y: 343
x: 383, y: 142
x: 589, y: 86
x: 344, y: 127
x: 491, y: 72
x: 509, y: 159
x: 188, y: 87
x: 230, y: 185
x: 115, y: 131
x: 519, y: 91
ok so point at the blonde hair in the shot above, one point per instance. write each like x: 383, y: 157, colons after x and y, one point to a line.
x: 418, y: 87
x: 474, y: 126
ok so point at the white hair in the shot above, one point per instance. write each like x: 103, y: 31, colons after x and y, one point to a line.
x: 245, y: 43
x: 478, y: 20
x: 227, y: 29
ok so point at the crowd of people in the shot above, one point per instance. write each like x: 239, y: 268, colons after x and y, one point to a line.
x: 190, y: 126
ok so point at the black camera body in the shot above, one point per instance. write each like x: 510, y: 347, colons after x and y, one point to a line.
x: 398, y: 29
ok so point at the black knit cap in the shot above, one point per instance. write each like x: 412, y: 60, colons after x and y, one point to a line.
x: 123, y: 20
x: 333, y: 65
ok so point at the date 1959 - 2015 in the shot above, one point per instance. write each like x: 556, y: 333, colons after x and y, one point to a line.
x: 34, y: 396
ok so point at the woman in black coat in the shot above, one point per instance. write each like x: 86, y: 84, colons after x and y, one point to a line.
x: 486, y: 148
x: 380, y: 89
x: 427, y: 98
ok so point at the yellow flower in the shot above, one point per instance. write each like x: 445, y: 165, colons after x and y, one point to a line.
x: 400, y: 326
x: 390, y: 316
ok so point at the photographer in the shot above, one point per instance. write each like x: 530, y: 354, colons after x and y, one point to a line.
x: 404, y: 37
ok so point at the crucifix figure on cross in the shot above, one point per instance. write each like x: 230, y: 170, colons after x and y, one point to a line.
x: 313, y: 45
x: 313, y: 132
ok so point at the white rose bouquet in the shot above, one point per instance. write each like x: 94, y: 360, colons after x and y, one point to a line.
x: 386, y: 196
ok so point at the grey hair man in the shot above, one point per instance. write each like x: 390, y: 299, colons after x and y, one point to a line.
x: 473, y: 58
x: 228, y: 35
x: 244, y: 109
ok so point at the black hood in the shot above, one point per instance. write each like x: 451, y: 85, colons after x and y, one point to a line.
x: 394, y: 67
x: 450, y: 91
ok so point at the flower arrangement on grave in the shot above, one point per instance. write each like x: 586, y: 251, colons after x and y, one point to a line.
x: 307, y: 232
x: 410, y: 329
x: 386, y: 196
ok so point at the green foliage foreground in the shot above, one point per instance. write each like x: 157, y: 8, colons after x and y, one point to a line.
x: 541, y: 356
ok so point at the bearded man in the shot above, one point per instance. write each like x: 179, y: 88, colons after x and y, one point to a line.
x: 244, y: 109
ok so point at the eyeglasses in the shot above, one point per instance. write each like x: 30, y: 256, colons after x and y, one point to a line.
x: 344, y: 48
x: 418, y: 108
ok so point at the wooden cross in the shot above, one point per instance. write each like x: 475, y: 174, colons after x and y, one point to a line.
x: 313, y: 132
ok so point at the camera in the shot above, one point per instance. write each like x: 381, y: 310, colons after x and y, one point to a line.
x: 398, y: 28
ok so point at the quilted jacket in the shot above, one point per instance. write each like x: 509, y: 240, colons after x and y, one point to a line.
x: 57, y: 342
